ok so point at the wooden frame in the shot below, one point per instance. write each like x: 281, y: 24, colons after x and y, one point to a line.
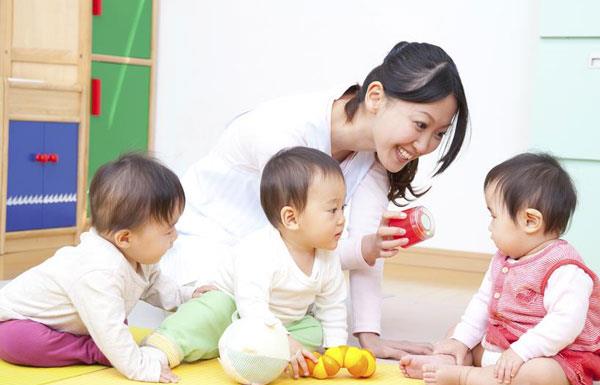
x: 152, y: 99
x: 85, y: 68
x: 60, y: 100
x: 442, y: 259
x: 122, y: 60
x: 5, y: 39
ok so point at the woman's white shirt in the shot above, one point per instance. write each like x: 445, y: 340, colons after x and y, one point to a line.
x: 223, y: 200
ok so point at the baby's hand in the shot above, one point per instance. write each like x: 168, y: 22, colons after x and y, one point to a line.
x: 452, y: 347
x: 203, y: 289
x: 507, y: 366
x: 297, y: 361
x: 167, y: 376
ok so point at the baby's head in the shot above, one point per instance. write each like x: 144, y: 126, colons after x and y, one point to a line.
x: 302, y: 192
x: 531, y: 199
x: 135, y: 202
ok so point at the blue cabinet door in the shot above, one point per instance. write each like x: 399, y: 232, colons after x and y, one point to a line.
x: 60, y: 176
x: 41, y: 194
x: 25, y: 176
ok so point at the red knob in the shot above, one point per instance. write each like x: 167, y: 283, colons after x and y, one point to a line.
x: 96, y: 97
x: 53, y: 158
x: 42, y: 158
x: 97, y: 7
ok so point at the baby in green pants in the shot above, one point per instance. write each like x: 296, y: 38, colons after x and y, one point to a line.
x: 279, y: 272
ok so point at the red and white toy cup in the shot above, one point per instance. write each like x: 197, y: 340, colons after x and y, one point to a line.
x: 419, y: 225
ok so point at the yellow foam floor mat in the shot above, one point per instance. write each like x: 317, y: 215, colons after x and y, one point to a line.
x: 210, y: 372
x: 24, y: 375
x: 204, y: 372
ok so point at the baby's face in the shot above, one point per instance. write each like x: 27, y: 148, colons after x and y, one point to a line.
x: 322, y: 220
x: 152, y: 240
x: 504, y: 231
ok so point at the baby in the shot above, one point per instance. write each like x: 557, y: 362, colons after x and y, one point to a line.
x: 72, y: 309
x: 278, y: 272
x: 536, y: 316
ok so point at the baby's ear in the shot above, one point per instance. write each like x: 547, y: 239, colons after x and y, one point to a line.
x: 289, y: 217
x: 533, y: 220
x: 122, y: 238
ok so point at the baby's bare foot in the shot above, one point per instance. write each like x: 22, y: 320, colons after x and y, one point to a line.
x: 434, y: 374
x: 411, y: 365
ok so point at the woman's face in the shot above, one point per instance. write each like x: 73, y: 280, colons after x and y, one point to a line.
x: 403, y: 131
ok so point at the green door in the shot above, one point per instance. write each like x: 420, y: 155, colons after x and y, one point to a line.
x: 560, y: 18
x: 582, y: 232
x: 123, y: 29
x: 565, y: 124
x: 568, y: 97
x: 567, y: 101
x: 122, y: 125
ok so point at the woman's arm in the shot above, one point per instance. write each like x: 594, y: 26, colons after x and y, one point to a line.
x: 367, y: 206
x: 367, y: 245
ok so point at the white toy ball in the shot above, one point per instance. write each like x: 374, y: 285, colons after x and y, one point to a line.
x: 253, y: 352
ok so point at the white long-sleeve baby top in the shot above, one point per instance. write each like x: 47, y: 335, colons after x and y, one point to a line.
x: 266, y: 282
x: 90, y: 289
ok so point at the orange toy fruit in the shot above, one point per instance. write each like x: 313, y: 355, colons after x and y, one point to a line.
x: 360, y: 363
x: 325, y: 367
x: 356, y: 361
x: 337, y: 353
x: 372, y: 364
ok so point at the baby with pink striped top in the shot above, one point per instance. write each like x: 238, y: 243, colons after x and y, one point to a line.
x: 536, y: 316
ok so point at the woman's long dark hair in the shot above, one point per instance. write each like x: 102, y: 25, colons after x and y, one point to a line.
x: 419, y: 73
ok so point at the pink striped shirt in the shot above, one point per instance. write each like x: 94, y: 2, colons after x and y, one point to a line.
x: 517, y: 302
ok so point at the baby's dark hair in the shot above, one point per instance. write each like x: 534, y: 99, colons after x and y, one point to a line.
x: 287, y: 177
x: 535, y: 181
x: 132, y: 190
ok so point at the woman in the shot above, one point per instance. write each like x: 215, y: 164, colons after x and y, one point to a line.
x: 406, y: 107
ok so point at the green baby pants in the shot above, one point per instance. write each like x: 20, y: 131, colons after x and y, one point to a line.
x: 199, y: 323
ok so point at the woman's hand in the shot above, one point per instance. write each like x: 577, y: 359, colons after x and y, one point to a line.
x: 203, y: 289
x: 297, y: 361
x: 382, y: 244
x: 391, y: 349
x: 507, y: 366
x: 453, y: 348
